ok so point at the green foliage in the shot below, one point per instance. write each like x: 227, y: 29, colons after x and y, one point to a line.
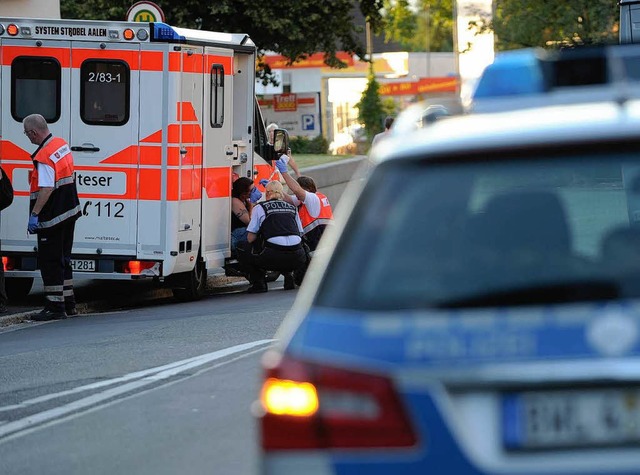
x: 370, y: 110
x: 389, y: 106
x: 293, y: 29
x: 530, y: 23
x: 428, y: 28
x: 317, y: 145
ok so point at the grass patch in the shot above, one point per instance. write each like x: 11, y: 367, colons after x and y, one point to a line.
x: 309, y: 160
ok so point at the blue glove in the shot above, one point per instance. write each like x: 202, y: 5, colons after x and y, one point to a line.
x: 281, y: 165
x: 255, y: 195
x: 264, y: 182
x: 33, y: 224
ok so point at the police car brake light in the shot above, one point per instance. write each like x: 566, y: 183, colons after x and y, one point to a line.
x: 312, y: 406
x: 161, y: 32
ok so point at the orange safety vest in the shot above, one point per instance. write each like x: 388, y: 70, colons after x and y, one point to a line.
x: 63, y: 204
x: 325, y: 217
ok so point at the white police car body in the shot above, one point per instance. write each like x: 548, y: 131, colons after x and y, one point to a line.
x: 479, y: 311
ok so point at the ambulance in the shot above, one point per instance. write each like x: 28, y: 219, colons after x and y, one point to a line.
x: 160, y: 121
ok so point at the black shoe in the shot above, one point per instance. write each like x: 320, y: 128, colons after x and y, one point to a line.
x: 71, y: 312
x: 298, y: 275
x: 288, y: 281
x: 3, y: 308
x: 258, y: 288
x: 46, y: 315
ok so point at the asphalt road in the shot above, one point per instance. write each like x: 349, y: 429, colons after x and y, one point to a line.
x: 164, y: 388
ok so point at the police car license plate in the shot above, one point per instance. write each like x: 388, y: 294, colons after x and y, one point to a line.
x: 83, y: 265
x: 573, y: 418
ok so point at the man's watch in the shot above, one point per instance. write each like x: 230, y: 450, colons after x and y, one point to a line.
x: 33, y: 213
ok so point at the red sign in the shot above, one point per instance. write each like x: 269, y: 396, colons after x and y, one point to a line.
x: 316, y: 60
x: 284, y: 103
x: 422, y: 86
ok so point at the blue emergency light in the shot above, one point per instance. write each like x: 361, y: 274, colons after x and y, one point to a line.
x: 513, y: 73
x: 528, y: 77
x: 161, y: 32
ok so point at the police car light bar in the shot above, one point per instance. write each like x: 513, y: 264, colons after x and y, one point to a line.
x: 521, y: 78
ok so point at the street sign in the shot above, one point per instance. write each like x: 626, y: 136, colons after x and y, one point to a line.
x: 145, y: 12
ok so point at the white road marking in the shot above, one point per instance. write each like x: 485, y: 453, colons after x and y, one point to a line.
x: 144, y: 378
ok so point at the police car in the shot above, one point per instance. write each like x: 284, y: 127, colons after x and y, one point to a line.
x: 479, y: 311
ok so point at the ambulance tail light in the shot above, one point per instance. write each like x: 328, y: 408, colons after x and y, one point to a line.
x: 13, y: 30
x: 161, y: 32
x: 128, y: 34
x: 310, y: 406
x: 8, y: 263
x: 136, y: 267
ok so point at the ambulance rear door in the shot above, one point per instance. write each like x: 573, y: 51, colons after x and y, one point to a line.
x: 35, y: 80
x: 105, y: 83
x: 221, y: 152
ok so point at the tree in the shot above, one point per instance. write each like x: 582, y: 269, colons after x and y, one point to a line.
x: 370, y: 110
x: 293, y: 29
x: 428, y: 27
x: 530, y: 23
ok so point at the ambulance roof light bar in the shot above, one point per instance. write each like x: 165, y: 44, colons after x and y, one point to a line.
x: 161, y: 32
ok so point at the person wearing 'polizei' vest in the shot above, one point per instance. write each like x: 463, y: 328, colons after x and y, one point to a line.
x: 274, y: 239
x: 313, y: 207
x: 54, y: 208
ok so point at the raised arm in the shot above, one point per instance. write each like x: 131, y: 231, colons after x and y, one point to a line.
x: 289, y: 180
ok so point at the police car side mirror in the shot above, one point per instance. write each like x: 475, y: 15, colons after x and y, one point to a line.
x: 280, y: 141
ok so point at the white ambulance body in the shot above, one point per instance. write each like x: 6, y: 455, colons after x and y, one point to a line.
x: 159, y: 119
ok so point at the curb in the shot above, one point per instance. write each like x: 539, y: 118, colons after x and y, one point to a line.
x: 216, y: 284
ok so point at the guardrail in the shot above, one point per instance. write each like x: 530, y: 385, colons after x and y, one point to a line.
x: 332, y: 178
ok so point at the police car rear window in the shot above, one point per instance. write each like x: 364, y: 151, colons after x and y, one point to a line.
x: 492, y: 233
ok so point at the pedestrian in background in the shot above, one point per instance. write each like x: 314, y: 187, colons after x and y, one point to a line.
x: 388, y: 122
x: 53, y: 210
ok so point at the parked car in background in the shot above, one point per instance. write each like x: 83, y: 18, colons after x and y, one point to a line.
x: 479, y: 309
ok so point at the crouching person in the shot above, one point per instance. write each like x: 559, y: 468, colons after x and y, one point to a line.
x: 274, y: 239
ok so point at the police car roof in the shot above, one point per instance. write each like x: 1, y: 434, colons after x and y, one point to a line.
x: 572, y: 95
x: 549, y: 125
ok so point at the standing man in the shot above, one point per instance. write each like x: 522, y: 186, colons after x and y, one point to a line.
x: 54, y: 209
x: 388, y: 122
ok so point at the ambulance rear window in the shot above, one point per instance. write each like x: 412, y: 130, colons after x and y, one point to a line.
x: 217, y: 95
x: 35, y: 87
x: 104, y: 92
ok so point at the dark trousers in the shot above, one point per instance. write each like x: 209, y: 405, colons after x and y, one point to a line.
x: 54, y: 260
x: 271, y: 258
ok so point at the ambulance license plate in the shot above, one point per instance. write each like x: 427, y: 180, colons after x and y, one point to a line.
x: 83, y: 265
x: 547, y: 420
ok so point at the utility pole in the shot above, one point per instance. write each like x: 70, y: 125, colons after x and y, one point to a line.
x: 428, y: 39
